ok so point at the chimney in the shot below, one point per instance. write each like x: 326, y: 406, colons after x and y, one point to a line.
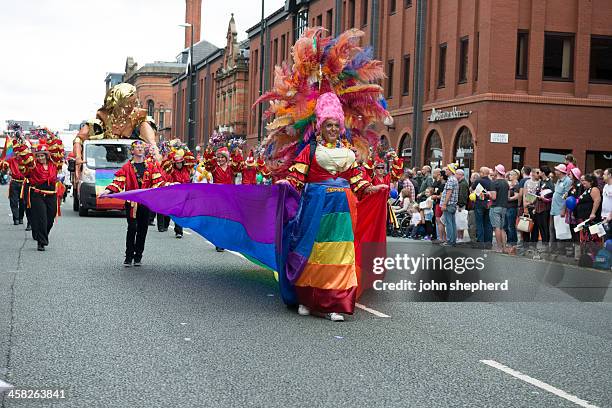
x: 193, y: 16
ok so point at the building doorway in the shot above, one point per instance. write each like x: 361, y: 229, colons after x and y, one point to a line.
x: 464, y: 150
x: 433, y: 150
x: 518, y: 158
x: 405, y: 150
x: 598, y: 160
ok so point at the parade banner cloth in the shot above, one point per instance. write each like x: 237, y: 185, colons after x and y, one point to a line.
x: 249, y: 219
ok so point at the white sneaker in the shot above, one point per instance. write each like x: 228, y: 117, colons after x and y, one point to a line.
x: 335, y: 317
x: 303, y: 310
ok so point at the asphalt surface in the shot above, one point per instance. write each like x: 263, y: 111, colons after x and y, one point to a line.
x: 193, y: 328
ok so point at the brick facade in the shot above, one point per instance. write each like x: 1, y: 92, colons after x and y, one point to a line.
x: 539, y: 115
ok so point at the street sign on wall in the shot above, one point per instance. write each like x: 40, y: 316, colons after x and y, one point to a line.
x: 499, y: 137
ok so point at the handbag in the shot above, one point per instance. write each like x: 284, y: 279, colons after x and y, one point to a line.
x: 524, y: 223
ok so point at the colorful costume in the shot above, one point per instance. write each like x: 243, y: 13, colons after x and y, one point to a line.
x: 315, y: 249
x: 175, y: 175
x: 249, y: 170
x: 44, y: 192
x: 221, y: 175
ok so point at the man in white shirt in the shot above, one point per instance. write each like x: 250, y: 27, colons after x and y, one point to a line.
x: 606, y: 206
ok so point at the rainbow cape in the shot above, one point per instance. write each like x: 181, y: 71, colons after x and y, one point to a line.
x: 250, y: 219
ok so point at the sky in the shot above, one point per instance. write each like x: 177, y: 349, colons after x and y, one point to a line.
x: 54, y: 54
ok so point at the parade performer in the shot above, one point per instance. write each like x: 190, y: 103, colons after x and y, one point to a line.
x: 45, y: 192
x: 320, y: 110
x: 322, y: 258
x: 263, y: 170
x: 120, y: 117
x: 178, y: 169
x: 222, y: 171
x: 380, y: 177
x: 137, y: 173
x: 250, y: 170
x: 8, y: 161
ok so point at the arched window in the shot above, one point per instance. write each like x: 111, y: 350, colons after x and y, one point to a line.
x: 405, y: 149
x: 464, y: 149
x: 433, y: 150
x: 150, y: 108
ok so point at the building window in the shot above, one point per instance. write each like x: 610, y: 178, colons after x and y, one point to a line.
x: 407, y: 3
x: 330, y: 21
x: 433, y: 150
x: 275, y: 52
x: 392, y: 6
x: 364, y: 13
x: 442, y: 66
x: 552, y: 157
x: 558, y: 56
x: 351, y: 13
x: 522, y: 51
x: 476, y: 51
x: 390, y: 65
x: 406, y: 75
x: 405, y: 149
x: 301, y: 23
x: 518, y: 157
x: 464, y: 150
x: 464, y: 46
x: 150, y: 108
x: 283, y: 46
x: 601, y: 59
x: 160, y: 121
x: 319, y: 22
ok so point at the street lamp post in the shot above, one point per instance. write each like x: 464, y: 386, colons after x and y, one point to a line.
x: 191, y: 95
x: 261, y: 68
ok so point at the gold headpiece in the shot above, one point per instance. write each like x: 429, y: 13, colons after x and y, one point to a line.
x: 119, y: 95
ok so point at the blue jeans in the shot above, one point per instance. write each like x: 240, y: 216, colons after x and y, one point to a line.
x: 450, y: 226
x: 484, y: 230
x: 510, y: 225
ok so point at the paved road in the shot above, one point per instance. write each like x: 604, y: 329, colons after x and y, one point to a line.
x: 193, y: 328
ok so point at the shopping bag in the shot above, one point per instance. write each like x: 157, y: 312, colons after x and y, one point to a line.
x: 524, y: 224
x: 562, y: 229
x: 461, y: 219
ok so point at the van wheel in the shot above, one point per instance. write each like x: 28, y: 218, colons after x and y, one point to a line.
x: 83, y: 212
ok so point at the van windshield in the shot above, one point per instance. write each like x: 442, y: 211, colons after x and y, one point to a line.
x: 106, y: 156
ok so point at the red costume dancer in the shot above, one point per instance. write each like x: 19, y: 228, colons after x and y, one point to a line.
x: 222, y: 172
x: 178, y: 169
x: 135, y: 174
x: 44, y: 192
x: 16, y: 188
x: 221, y: 168
x: 249, y: 170
x: 380, y: 177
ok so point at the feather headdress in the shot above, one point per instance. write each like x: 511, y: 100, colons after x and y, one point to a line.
x: 321, y: 65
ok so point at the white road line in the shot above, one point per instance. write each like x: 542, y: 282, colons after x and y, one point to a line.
x: 359, y: 305
x: 374, y: 312
x: 5, y: 386
x: 538, y: 383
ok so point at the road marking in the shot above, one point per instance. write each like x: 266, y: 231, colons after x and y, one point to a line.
x: 538, y: 383
x: 374, y: 312
x: 359, y: 305
x: 5, y: 386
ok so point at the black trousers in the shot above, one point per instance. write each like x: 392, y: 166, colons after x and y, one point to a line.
x: 18, y: 205
x: 163, y: 222
x: 541, y: 226
x: 137, y: 231
x: 43, y: 211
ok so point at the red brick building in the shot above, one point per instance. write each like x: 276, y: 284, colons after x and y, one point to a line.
x: 513, y: 82
x: 152, y: 82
